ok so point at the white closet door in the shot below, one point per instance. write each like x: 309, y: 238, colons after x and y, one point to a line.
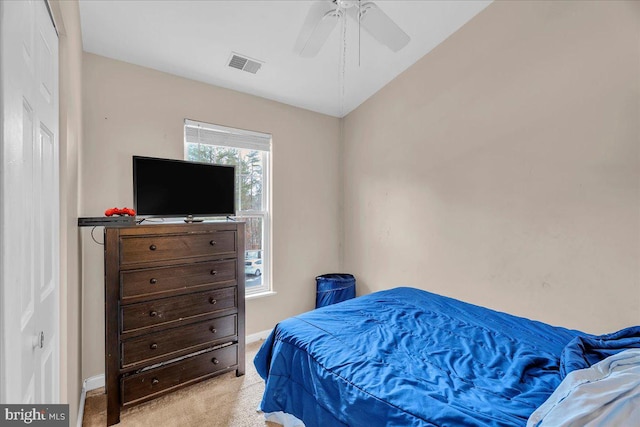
x: 29, y: 209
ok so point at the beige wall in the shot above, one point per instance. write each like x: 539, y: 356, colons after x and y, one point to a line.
x: 503, y: 168
x: 67, y: 17
x: 131, y: 110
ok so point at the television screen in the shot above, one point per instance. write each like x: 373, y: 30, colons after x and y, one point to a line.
x: 172, y: 188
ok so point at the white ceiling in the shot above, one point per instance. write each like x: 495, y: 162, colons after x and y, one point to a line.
x: 195, y: 39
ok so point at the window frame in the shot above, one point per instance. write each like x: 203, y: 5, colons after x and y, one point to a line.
x: 242, y: 139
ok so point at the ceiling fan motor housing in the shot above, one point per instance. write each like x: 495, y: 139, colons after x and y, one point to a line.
x: 323, y: 17
x: 346, y: 4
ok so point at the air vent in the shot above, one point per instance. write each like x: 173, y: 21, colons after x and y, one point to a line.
x: 245, y: 64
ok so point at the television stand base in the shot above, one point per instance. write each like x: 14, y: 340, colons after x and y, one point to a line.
x: 189, y: 219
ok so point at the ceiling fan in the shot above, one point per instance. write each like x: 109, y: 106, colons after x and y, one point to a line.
x: 324, y: 16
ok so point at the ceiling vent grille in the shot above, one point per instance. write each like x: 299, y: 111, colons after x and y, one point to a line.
x: 245, y: 64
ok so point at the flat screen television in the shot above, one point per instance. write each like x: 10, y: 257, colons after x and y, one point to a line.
x: 177, y: 188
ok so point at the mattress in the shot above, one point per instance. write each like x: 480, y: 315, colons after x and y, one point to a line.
x: 407, y: 357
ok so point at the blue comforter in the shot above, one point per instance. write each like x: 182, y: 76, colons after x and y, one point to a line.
x: 406, y: 357
x: 586, y: 350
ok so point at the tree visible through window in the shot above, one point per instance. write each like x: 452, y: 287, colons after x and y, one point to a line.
x: 249, y: 153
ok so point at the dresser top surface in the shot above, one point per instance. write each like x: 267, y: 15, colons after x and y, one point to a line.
x: 175, y: 227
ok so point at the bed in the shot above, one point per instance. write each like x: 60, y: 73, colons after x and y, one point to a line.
x: 407, y: 357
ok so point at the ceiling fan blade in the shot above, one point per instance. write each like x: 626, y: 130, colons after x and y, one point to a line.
x: 321, y: 20
x: 381, y: 27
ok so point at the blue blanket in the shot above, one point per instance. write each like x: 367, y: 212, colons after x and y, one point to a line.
x: 406, y: 357
x: 587, y: 350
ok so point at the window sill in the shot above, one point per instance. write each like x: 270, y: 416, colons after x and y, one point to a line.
x: 259, y: 295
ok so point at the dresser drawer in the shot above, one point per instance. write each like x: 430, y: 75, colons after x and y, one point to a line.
x: 156, y: 381
x: 155, y: 281
x: 182, y: 339
x: 135, y: 250
x: 170, y: 310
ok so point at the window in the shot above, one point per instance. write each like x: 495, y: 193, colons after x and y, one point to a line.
x: 250, y: 153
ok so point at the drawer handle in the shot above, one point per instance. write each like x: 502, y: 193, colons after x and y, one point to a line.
x: 155, y: 381
x: 212, y: 300
x: 153, y: 346
x: 214, y: 272
x: 215, y: 361
x: 213, y: 330
x: 153, y: 247
x: 153, y: 313
x: 212, y: 242
x: 153, y: 281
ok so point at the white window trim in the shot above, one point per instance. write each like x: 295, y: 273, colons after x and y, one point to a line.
x: 234, y: 138
x: 245, y: 139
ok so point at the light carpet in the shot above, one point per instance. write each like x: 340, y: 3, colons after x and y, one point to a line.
x: 226, y: 400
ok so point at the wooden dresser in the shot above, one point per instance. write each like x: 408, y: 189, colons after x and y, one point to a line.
x: 174, y: 308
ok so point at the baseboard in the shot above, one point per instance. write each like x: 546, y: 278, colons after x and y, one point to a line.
x: 262, y: 335
x: 94, y: 382
x: 89, y: 384
x: 83, y: 397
